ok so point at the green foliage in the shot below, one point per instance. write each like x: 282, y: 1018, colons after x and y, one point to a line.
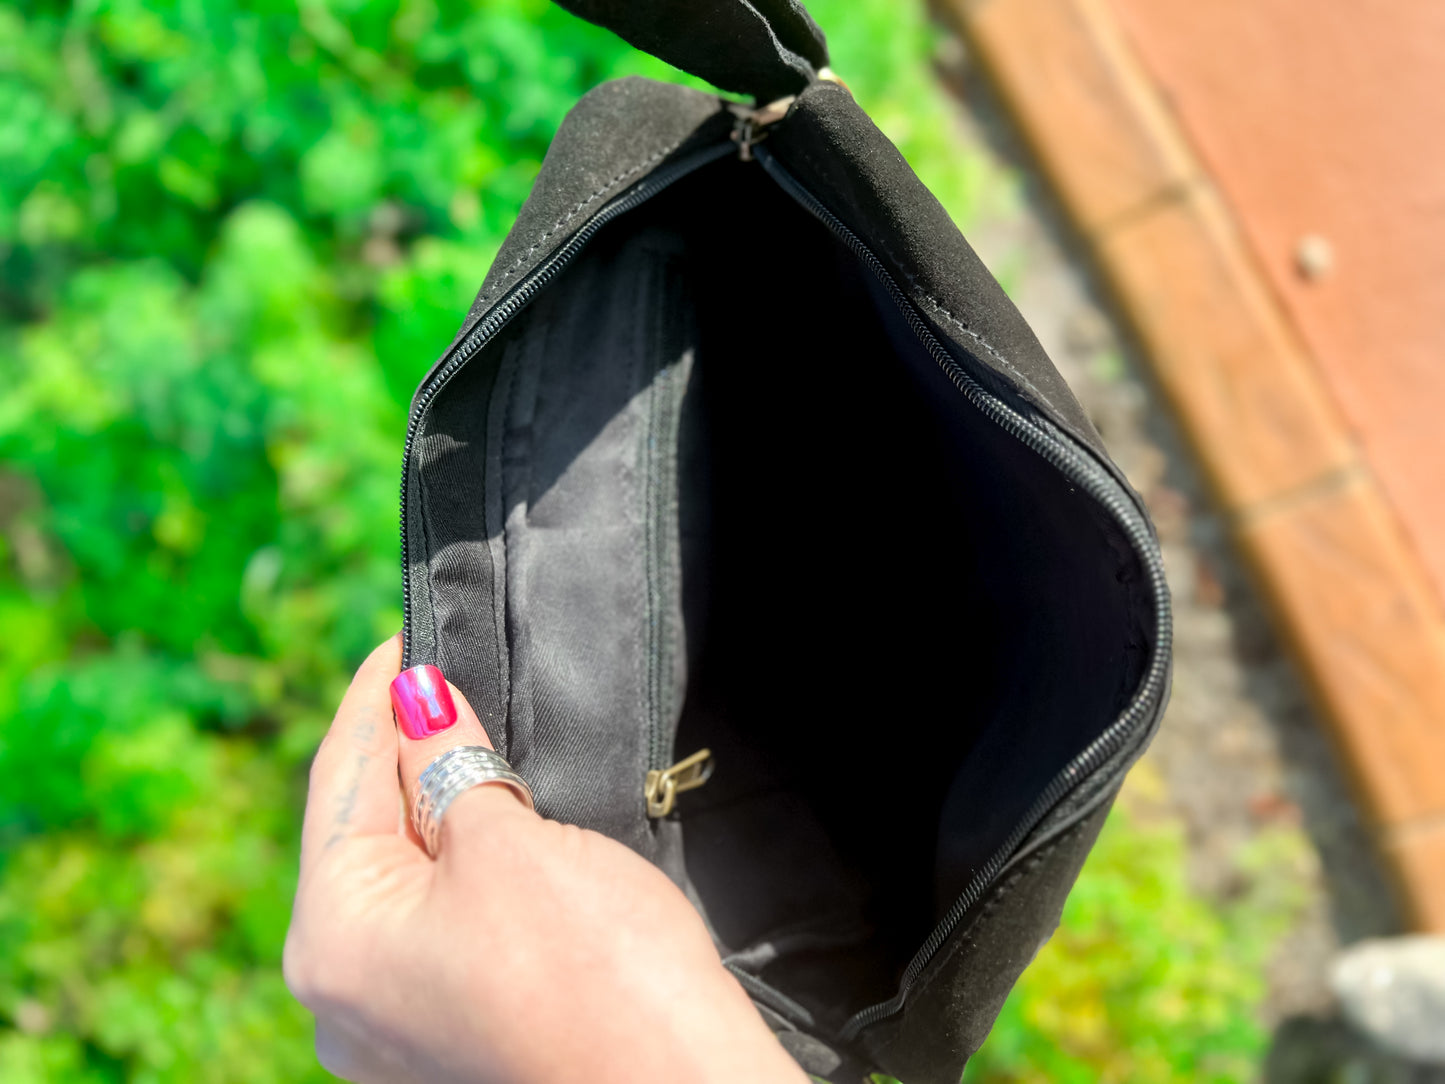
x: 232, y: 238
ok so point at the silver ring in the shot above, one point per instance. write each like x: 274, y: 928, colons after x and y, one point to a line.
x: 451, y: 774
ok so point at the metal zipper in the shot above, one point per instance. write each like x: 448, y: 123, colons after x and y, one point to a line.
x: 659, y: 482
x: 662, y: 785
x: 502, y: 314
x: 663, y: 782
x: 1062, y: 452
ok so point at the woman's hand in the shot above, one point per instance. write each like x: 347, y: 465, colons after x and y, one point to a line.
x: 527, y: 951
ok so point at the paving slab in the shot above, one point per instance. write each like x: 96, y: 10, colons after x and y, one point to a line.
x: 1330, y: 493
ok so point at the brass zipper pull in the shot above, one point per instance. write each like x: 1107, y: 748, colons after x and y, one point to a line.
x: 751, y: 124
x: 662, y: 787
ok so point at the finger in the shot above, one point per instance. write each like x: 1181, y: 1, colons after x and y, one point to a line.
x: 338, y: 1054
x: 433, y: 716
x: 353, y: 778
x: 350, y: 1055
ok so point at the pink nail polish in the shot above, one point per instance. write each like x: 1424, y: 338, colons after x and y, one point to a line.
x: 423, y: 702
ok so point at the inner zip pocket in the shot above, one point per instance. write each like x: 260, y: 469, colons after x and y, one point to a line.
x: 671, y: 345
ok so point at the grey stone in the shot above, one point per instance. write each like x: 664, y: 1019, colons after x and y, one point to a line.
x: 1393, y: 990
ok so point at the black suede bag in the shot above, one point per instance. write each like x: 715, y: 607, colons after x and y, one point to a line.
x: 741, y: 449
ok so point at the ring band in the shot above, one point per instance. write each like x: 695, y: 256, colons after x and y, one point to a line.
x: 453, y: 773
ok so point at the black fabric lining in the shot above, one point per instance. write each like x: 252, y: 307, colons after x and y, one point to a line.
x: 894, y: 623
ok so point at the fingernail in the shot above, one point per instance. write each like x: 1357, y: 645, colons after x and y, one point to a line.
x: 423, y: 702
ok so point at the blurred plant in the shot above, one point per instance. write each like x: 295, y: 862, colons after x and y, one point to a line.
x: 232, y: 238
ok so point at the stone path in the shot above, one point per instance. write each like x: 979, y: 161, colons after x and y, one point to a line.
x: 1240, y: 752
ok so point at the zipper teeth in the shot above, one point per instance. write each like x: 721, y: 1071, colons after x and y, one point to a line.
x: 655, y: 485
x: 1050, y: 443
x: 502, y: 314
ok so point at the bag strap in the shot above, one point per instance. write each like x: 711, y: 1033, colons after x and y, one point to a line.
x: 766, y: 48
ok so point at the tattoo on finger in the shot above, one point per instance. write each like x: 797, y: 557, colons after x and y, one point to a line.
x: 361, y: 738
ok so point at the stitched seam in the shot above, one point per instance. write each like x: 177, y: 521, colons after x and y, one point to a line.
x: 514, y: 374
x: 426, y: 563
x: 920, y: 294
x: 570, y: 215
x: 986, y: 913
x: 1005, y: 889
x: 649, y: 332
x: 1025, y: 381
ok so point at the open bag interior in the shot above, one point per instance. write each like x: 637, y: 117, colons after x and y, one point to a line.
x: 709, y: 490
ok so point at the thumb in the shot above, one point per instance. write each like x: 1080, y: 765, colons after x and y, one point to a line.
x: 433, y: 716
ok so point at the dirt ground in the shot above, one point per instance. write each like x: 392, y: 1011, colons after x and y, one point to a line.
x: 1241, y: 751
